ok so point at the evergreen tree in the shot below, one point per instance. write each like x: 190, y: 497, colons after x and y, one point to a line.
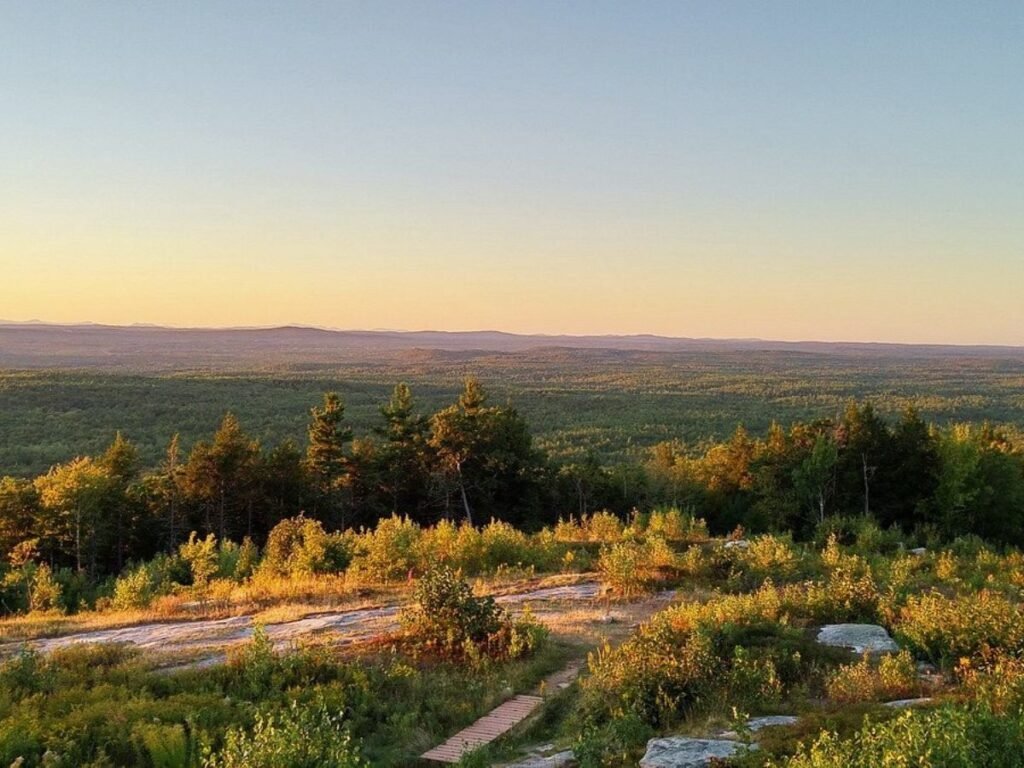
x: 121, y: 461
x: 403, y: 459
x: 19, y: 513
x: 221, y: 479
x: 326, y: 461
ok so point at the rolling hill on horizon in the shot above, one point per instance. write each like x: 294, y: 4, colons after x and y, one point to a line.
x: 157, y: 348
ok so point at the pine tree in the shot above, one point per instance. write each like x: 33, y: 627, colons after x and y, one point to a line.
x: 222, y: 478
x: 326, y: 461
x: 403, y: 458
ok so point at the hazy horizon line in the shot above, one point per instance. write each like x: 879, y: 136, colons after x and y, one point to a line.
x: 553, y: 335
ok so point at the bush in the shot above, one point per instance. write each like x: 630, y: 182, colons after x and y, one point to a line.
x: 894, y: 677
x: 44, y: 592
x: 26, y: 673
x: 675, y: 525
x: 447, y: 618
x: 601, y: 527
x: 201, y: 556
x: 950, y: 737
x: 300, y: 546
x: 947, y: 628
x: 685, y: 654
x: 632, y: 568
x: 166, y: 746
x: 300, y: 737
x: 503, y: 545
x: 133, y: 590
x: 766, y: 557
x: 446, y: 610
x: 389, y: 552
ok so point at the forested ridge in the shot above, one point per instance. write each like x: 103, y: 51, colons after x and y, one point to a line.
x: 473, y: 461
x: 614, y: 404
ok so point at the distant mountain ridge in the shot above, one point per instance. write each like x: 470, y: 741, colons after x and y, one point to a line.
x: 144, y: 347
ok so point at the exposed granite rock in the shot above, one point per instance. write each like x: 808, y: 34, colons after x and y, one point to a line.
x: 539, y: 758
x: 904, y: 703
x: 755, y: 724
x: 858, y: 637
x: 684, y: 752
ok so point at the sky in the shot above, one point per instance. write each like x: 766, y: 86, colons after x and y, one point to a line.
x: 783, y: 170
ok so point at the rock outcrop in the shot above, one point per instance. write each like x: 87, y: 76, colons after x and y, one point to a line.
x: 684, y: 752
x: 858, y: 638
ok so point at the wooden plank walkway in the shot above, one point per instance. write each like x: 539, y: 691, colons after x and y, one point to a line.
x: 503, y: 717
x: 485, y: 730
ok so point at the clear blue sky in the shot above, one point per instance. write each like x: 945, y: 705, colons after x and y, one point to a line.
x: 773, y: 169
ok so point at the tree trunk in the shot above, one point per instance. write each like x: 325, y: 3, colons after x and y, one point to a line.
x: 78, y: 540
x: 462, y: 491
x: 220, y: 512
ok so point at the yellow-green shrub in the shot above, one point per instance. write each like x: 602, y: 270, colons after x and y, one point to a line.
x: 674, y: 525
x: 945, y: 628
x: 630, y: 568
x: 893, y: 677
x: 388, y: 553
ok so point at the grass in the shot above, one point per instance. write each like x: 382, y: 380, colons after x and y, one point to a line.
x: 737, y: 639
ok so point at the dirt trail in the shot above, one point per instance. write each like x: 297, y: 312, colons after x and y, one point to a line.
x: 348, y: 626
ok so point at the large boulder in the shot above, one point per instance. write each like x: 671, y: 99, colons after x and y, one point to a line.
x: 858, y: 638
x: 684, y: 752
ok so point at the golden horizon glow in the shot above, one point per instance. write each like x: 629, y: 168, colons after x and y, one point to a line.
x: 681, y: 170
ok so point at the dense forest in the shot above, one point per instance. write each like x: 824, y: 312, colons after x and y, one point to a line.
x: 474, y: 461
x: 614, y: 404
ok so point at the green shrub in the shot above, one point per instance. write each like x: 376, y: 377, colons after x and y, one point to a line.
x: 300, y: 737
x: 445, y: 610
x: 201, y: 556
x: 44, y: 591
x: 388, y: 553
x: 893, y: 677
x: 602, y: 527
x: 948, y: 737
x: 675, y: 525
x: 247, y: 561
x: 685, y: 655
x: 166, y: 746
x: 300, y: 546
x: 632, y: 568
x: 134, y: 589
x: 25, y: 673
x: 946, y: 628
x: 447, y: 618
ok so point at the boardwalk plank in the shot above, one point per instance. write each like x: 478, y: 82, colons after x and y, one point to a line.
x: 485, y: 730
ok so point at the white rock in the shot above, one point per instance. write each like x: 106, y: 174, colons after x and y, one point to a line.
x: 858, y: 637
x: 737, y: 544
x: 755, y: 724
x: 919, y: 551
x: 558, y: 760
x: 683, y: 752
x: 904, y: 703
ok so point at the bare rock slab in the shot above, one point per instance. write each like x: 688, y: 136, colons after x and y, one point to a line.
x: 557, y: 760
x: 683, y: 752
x: 905, y: 703
x: 858, y: 638
x: 756, y: 724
